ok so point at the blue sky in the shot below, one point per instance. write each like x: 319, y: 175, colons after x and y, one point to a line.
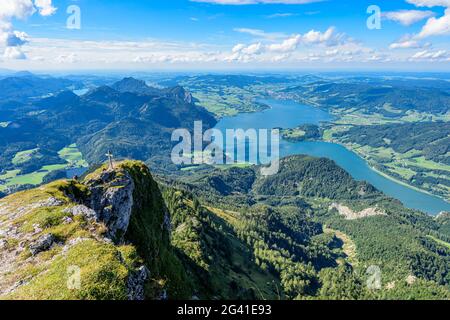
x: 225, y: 34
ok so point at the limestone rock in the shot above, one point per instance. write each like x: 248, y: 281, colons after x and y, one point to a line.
x: 81, y: 210
x: 43, y: 243
x: 136, y: 282
x: 112, y: 201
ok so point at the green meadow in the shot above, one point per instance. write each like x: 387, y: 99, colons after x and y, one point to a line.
x: 13, y: 178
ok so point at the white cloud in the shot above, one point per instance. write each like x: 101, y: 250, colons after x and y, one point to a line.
x: 15, y: 39
x: 313, y: 36
x: 246, y: 2
x: 436, y: 26
x: 64, y: 59
x: 406, y: 44
x: 252, y: 49
x: 19, y: 9
x: 314, y: 47
x: 14, y: 53
x: 45, y: 7
x: 261, y: 33
x: 281, y: 15
x: 408, y: 17
x: 287, y: 45
x: 430, y: 3
x: 290, y: 43
x: 440, y: 55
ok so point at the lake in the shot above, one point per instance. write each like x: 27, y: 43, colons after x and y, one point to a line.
x: 289, y: 114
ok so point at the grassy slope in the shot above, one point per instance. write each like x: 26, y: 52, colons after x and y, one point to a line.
x: 104, y: 267
x: 218, y: 262
x: 392, y: 242
x: 70, y: 154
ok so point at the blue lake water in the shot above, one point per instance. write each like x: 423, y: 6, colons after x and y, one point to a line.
x: 72, y: 172
x: 288, y: 114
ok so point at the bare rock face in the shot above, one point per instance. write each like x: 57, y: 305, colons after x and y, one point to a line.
x: 81, y: 210
x: 42, y: 244
x: 349, y: 214
x: 136, y: 282
x: 112, y: 201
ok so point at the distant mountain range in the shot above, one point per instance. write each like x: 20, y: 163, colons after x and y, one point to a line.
x: 22, y: 86
x: 390, y: 98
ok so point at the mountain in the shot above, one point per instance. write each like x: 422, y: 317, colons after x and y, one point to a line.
x: 314, y: 218
x: 132, y: 236
x: 239, y: 81
x: 23, y: 86
x: 111, y: 229
x: 134, y: 86
x: 388, y: 98
x: 135, y: 122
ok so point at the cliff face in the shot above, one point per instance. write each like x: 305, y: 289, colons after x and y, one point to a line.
x: 106, y: 237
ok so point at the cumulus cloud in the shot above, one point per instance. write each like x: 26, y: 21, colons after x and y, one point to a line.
x: 16, y: 39
x: 69, y: 58
x: 328, y: 37
x: 408, y: 17
x: 45, y: 7
x: 159, y: 54
x: 436, y: 26
x: 282, y: 50
x: 19, y: 9
x: 14, y: 53
x: 287, y: 45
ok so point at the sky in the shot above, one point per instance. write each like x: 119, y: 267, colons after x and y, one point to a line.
x: 158, y: 35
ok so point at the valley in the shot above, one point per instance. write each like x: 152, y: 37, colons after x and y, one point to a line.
x: 288, y: 114
x: 249, y: 105
x: 312, y: 231
x: 222, y: 234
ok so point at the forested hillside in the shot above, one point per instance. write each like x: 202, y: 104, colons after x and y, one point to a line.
x: 176, y: 240
x: 417, y: 153
x: 128, y: 118
x: 389, y: 98
x: 320, y: 232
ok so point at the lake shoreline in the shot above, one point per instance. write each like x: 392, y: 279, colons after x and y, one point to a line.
x: 384, y: 174
x: 290, y: 114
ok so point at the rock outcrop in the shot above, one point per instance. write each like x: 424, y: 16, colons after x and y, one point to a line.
x: 43, y: 243
x: 350, y: 214
x: 104, y: 236
x: 111, y: 198
x: 136, y: 282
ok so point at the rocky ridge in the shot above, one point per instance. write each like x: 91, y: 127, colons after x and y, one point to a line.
x: 93, y: 226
